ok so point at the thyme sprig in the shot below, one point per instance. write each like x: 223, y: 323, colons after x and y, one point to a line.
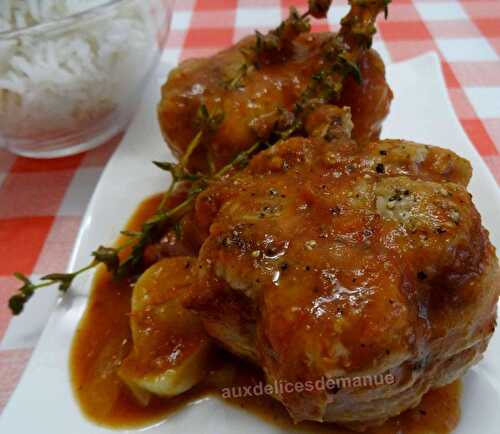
x: 206, y: 123
x: 358, y: 26
x: 236, y: 82
x: 268, y: 47
x: 150, y: 231
x: 153, y: 228
x: 341, y: 53
x: 103, y: 255
x: 324, y: 86
x: 318, y: 8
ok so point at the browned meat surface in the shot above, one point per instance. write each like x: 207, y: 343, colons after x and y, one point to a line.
x: 255, y: 100
x: 333, y: 254
x: 330, y: 259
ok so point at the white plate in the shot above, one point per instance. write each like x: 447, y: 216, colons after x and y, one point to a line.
x: 43, y: 401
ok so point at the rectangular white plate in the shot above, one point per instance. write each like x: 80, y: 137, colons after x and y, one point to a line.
x: 43, y: 401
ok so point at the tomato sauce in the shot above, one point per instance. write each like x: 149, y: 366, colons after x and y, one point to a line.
x: 103, y: 339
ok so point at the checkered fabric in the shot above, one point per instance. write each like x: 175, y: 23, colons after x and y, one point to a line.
x: 42, y: 202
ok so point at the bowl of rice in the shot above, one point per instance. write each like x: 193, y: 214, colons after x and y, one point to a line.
x: 72, y: 71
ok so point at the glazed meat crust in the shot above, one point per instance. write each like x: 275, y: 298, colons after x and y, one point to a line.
x: 330, y: 259
x: 250, y: 108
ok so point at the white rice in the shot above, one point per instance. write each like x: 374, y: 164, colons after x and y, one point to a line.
x: 62, y: 82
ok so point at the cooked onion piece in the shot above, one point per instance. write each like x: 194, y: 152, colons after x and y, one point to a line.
x: 170, y: 347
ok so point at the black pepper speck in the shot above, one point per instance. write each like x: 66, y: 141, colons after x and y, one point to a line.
x: 421, y: 275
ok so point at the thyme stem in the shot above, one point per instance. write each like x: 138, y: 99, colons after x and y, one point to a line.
x: 190, y: 149
x: 323, y: 85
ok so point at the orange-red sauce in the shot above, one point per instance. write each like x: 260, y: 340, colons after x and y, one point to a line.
x: 103, y: 340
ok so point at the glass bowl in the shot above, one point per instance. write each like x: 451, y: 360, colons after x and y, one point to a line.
x: 69, y: 84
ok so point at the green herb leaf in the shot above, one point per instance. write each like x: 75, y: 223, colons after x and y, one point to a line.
x: 206, y: 121
x: 64, y: 280
x: 165, y: 165
x: 16, y: 303
x: 178, y: 231
x: 107, y: 256
x: 131, y: 234
x: 352, y: 67
x: 319, y: 8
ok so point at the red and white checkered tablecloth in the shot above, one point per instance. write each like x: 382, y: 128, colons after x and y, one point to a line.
x: 42, y: 202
